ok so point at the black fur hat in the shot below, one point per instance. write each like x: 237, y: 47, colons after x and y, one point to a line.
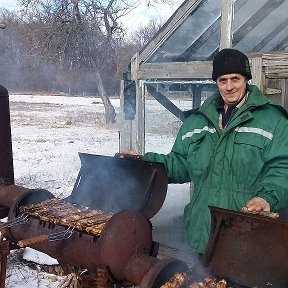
x: 229, y: 61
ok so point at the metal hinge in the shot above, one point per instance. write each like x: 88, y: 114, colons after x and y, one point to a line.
x: 272, y: 91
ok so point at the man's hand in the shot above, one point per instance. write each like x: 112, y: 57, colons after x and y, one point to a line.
x: 258, y: 204
x: 128, y: 154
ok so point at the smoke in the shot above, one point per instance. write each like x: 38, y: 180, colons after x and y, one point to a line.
x: 111, y: 184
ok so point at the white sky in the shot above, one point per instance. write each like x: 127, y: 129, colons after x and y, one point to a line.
x: 8, y: 3
x: 139, y: 17
x: 143, y: 14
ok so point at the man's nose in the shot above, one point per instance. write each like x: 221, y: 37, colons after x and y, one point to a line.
x: 229, y: 85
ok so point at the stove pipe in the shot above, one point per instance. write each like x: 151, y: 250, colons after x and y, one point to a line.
x: 6, y: 158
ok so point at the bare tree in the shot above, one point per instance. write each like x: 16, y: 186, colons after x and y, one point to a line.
x: 12, y: 60
x: 78, y: 33
x: 145, y: 33
x: 80, y: 44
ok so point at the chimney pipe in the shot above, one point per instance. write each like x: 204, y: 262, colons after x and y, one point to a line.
x: 6, y: 156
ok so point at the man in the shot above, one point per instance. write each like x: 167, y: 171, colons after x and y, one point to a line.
x: 234, y: 148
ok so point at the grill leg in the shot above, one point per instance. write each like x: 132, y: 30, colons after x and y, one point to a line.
x: 5, y: 251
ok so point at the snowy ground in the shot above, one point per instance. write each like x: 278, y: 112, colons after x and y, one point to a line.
x: 47, y: 134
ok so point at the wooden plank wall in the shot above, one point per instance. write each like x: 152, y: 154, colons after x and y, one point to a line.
x: 275, y: 69
x: 175, y: 70
x: 275, y: 65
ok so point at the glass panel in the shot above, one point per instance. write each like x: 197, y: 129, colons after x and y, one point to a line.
x: 258, y: 26
x: 191, y: 93
x: 265, y: 36
x: 203, y: 16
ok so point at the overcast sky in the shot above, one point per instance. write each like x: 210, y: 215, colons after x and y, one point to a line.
x: 143, y: 14
x: 139, y: 17
x: 8, y: 3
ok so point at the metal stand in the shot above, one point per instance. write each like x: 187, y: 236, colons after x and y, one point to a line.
x: 4, y: 252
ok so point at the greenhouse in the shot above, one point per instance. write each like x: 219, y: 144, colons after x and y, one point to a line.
x: 177, y: 62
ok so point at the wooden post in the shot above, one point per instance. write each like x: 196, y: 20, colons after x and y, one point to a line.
x: 126, y: 125
x: 226, y: 24
x: 140, y: 114
x: 135, y: 66
x: 283, y: 92
x: 257, y: 72
x: 138, y: 125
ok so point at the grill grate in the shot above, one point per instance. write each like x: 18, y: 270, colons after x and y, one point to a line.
x: 59, y: 212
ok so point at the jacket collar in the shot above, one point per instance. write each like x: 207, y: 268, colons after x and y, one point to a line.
x: 255, y: 99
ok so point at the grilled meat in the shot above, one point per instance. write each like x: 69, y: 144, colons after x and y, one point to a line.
x: 183, y: 280
x: 58, y: 212
x: 177, y: 281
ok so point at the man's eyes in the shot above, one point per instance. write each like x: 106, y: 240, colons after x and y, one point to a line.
x: 234, y: 80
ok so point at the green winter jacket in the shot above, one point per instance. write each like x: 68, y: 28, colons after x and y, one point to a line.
x: 228, y: 168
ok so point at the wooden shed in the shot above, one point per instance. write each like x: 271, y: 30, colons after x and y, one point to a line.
x: 180, y: 56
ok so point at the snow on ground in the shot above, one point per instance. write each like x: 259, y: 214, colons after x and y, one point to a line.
x: 48, y: 132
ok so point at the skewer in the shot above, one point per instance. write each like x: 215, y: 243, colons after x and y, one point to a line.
x: 22, y: 219
x: 62, y: 235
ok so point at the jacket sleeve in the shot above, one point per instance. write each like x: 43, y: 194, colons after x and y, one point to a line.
x: 274, y: 184
x: 175, y: 161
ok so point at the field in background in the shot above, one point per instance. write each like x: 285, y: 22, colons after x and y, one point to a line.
x: 48, y: 132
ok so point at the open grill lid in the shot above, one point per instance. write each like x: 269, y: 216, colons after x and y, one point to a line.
x: 113, y: 184
x: 250, y: 250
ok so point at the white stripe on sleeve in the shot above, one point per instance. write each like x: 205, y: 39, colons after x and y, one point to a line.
x: 198, y: 131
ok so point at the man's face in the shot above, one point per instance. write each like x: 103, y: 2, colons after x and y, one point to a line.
x: 232, y: 88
